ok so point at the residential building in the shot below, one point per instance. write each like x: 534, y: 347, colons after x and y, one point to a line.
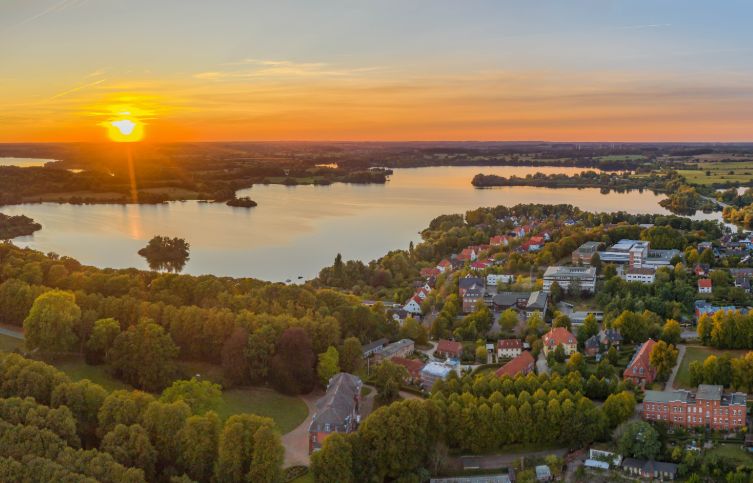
x: 413, y: 305
x: 703, y: 307
x: 373, y: 347
x: 654, y: 470
x: 526, y: 303
x: 401, y: 348
x: 583, y: 254
x: 533, y: 244
x: 592, y: 346
x: 560, y: 336
x: 583, y: 277
x: 509, y: 348
x: 522, y: 364
x: 429, y: 272
x: 709, y: 407
x: 498, y: 279
x: 467, y: 282
x: 704, y: 285
x: 701, y: 269
x: 642, y: 275
x: 543, y: 473
x: 444, y: 266
x: 604, y: 455
x: 498, y: 241
x: 610, y: 337
x: 472, y: 296
x: 413, y: 366
x: 639, y: 369
x: 449, y: 349
x: 537, y: 303
x: 337, y: 410
x: 433, y: 372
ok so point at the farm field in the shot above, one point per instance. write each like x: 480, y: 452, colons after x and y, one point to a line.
x: 720, y: 173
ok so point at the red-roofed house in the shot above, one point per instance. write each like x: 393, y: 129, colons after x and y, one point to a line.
x: 444, y: 266
x: 704, y: 285
x: 422, y: 293
x: 533, y: 244
x: 449, y: 349
x: 509, y: 348
x: 557, y: 336
x: 498, y: 241
x: 481, y: 264
x: 430, y: 272
x: 523, y: 364
x: 413, y: 305
x: 468, y: 254
x: 413, y: 366
x: 639, y: 369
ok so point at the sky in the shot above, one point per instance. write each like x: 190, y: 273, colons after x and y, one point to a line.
x: 391, y: 70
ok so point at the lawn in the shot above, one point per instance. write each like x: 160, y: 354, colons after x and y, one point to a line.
x: 720, y: 173
x: 622, y: 157
x: 307, y: 478
x: 734, y: 452
x: 288, y: 412
x: 697, y: 353
x: 9, y: 344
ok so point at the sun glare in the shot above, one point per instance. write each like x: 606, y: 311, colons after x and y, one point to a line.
x: 125, y: 130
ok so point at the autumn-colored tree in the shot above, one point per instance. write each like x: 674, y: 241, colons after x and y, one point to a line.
x: 201, y: 396
x: 351, y: 355
x: 130, y: 446
x: 663, y: 358
x: 292, y: 367
x: 268, y: 456
x: 333, y: 463
x: 163, y: 421
x: 197, y: 445
x: 236, y: 446
x: 52, y: 322
x: 329, y: 365
x: 122, y: 407
x: 235, y: 368
x: 144, y: 356
x: 101, y: 340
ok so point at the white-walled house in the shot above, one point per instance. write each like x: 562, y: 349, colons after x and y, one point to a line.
x: 413, y: 306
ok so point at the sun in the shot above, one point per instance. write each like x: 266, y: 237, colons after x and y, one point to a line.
x: 125, y: 130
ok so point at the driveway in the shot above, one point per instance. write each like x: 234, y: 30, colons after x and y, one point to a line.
x: 16, y: 334
x: 680, y: 357
x: 541, y: 366
x: 296, y: 442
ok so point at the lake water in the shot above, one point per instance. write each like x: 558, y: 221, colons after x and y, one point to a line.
x: 297, y: 230
x: 25, y: 162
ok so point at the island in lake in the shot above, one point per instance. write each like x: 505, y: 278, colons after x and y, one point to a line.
x: 15, y: 226
x: 165, y: 253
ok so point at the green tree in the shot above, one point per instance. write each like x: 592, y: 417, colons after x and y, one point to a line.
x: 351, y: 355
x: 481, y: 354
x: 562, y: 320
x: 413, y: 330
x: 559, y: 353
x: 619, y: 407
x: 84, y: 399
x: 197, y: 445
x: 508, y: 320
x: 163, y: 421
x: 388, y: 377
x: 576, y: 363
x: 638, y: 439
x: 201, y: 396
x: 613, y: 356
x: 52, y: 322
x: 596, y: 262
x: 329, y: 365
x: 144, y: 356
x: 671, y: 332
x: 292, y: 367
x: 130, y: 446
x: 663, y: 358
x: 122, y: 407
x: 16, y: 299
x: 268, y: 456
x: 333, y: 463
x: 259, y: 352
x: 101, y: 340
x: 556, y: 293
x: 236, y: 446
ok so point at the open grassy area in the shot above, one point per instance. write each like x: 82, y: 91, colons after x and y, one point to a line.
x: 697, y: 353
x: 288, y: 412
x: 307, y: 478
x: 9, y: 344
x: 734, y: 452
x: 621, y: 157
x: 721, y: 172
x: 77, y: 370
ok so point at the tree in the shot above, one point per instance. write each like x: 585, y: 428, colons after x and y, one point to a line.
x: 613, y: 356
x: 292, y: 367
x: 163, y: 421
x: 101, y: 340
x: 481, y: 354
x: 197, y: 443
x: 329, y: 365
x: 235, y: 368
x: 559, y: 353
x: 576, y: 363
x: 16, y: 299
x: 236, y: 446
x: 165, y: 253
x: 388, y: 377
x: 351, y: 355
x: 259, y: 352
x: 619, y: 407
x: 671, y: 332
x: 562, y: 320
x: 122, y: 407
x: 742, y: 372
x: 556, y: 293
x: 333, y: 463
x: 268, y: 456
x: 640, y: 440
x: 508, y: 320
x: 144, y: 356
x: 412, y: 329
x: 596, y: 262
x: 130, y: 446
x: 84, y: 399
x: 201, y: 396
x: 663, y: 358
x: 52, y: 322
x: 610, y: 271
x: 589, y: 329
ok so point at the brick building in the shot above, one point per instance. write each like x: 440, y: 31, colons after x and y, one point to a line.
x: 639, y: 370
x: 709, y: 408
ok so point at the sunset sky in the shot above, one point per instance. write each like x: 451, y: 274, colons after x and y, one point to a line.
x: 200, y: 70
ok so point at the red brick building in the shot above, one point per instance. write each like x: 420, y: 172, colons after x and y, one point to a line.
x: 523, y: 364
x: 449, y: 349
x: 639, y: 369
x: 709, y: 408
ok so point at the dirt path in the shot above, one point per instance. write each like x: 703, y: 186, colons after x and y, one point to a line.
x: 296, y: 442
x: 680, y: 357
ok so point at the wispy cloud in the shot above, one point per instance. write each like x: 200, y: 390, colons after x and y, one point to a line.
x: 54, y: 8
x: 645, y: 26
x: 75, y: 89
x: 280, y: 69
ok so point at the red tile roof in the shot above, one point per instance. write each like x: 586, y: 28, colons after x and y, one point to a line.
x: 450, y: 346
x: 557, y: 336
x: 413, y: 366
x: 522, y: 363
x: 510, y: 344
x: 641, y: 359
x: 704, y: 283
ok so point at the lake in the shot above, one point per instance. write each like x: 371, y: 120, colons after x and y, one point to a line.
x: 297, y: 230
x: 25, y: 162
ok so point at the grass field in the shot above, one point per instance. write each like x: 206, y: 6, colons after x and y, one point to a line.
x: 734, y: 452
x: 697, y: 353
x: 77, y: 370
x: 721, y: 172
x: 288, y: 412
x: 9, y: 344
x: 621, y: 157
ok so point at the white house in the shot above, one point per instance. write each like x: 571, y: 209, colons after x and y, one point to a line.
x: 413, y: 306
x: 704, y: 285
x: 642, y: 275
x: 495, y: 279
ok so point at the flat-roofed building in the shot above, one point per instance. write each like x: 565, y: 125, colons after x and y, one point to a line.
x: 584, y: 253
x: 709, y: 407
x: 584, y: 277
x: 642, y: 274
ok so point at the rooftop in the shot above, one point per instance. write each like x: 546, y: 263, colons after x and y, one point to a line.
x: 437, y: 369
x: 562, y: 271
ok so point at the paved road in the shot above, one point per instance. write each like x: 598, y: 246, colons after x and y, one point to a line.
x: 12, y: 333
x: 296, y: 442
x: 680, y: 356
